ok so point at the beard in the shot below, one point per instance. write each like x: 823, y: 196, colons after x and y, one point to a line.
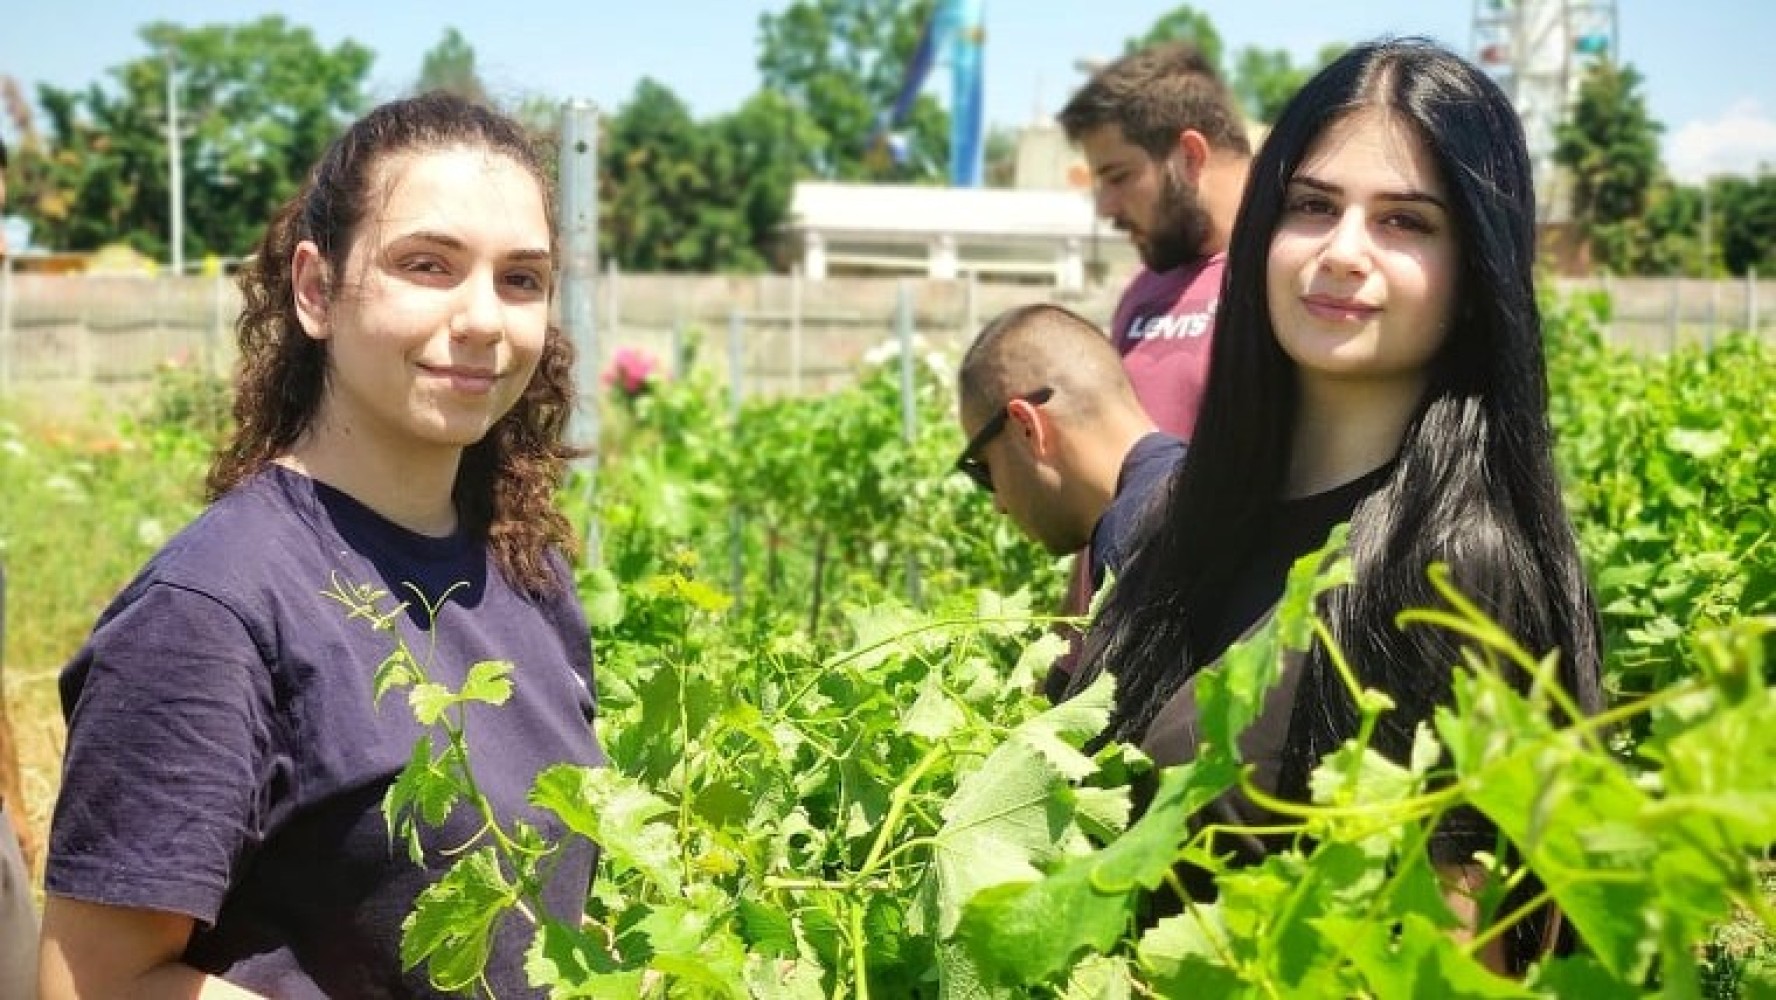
x: 1180, y: 226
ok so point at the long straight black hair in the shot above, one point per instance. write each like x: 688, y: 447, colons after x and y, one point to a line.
x: 1474, y: 483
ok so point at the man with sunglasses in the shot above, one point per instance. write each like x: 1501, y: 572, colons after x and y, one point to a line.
x: 1057, y: 436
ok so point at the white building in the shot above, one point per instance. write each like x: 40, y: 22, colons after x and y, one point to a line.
x: 1046, y: 236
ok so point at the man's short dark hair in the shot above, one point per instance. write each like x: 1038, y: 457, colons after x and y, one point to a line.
x: 1154, y: 94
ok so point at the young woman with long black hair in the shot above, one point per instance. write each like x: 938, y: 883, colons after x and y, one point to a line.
x: 1379, y: 361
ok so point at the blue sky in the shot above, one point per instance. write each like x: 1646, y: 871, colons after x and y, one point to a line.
x: 1706, y: 62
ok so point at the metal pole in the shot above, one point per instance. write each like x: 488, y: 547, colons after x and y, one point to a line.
x: 1707, y: 270
x: 219, y: 322
x: 1713, y: 312
x: 736, y: 361
x: 613, y: 312
x: 736, y: 392
x: 578, y: 238
x: 1751, y: 304
x: 176, y: 182
x: 795, y: 330
x: 1609, y: 292
x: 6, y: 338
x: 909, y: 411
x: 1671, y: 319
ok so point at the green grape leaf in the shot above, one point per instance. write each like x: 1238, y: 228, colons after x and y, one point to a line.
x: 1421, y: 960
x: 572, y: 964
x: 429, y: 702
x: 689, y: 943
x: 424, y: 787
x: 1580, y: 976
x: 1553, y: 801
x: 451, y: 926
x: 397, y: 670
x: 489, y: 682
x: 1186, y: 955
x: 616, y: 812
x: 934, y: 714
x: 1009, y: 813
x: 1023, y: 932
x: 1003, y: 615
x: 766, y: 928
x: 1099, y: 977
x: 603, y: 599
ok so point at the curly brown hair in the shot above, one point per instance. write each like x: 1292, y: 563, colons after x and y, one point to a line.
x: 1154, y: 94
x: 506, y: 483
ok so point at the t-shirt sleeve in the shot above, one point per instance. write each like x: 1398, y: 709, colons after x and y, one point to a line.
x: 165, y: 775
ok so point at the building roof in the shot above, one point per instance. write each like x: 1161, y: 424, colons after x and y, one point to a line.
x: 902, y: 210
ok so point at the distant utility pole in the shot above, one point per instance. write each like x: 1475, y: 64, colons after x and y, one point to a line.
x: 176, y: 194
x: 577, y: 220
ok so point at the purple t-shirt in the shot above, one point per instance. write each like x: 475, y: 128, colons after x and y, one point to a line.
x: 225, y: 760
x: 1162, y: 328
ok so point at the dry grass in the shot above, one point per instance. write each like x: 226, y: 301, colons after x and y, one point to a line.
x: 35, y: 711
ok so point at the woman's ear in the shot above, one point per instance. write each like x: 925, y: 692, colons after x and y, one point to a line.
x: 310, y: 282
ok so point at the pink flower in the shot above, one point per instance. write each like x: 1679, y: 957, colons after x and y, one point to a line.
x: 632, y: 370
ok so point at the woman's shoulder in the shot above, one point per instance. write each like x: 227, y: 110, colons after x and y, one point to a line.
x: 248, y: 537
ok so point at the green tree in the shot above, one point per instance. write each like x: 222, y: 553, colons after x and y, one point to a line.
x: 1674, y: 226
x: 1184, y: 23
x: 1610, y: 147
x: 1000, y: 168
x: 760, y: 143
x: 450, y: 66
x: 1742, y: 212
x: 101, y: 177
x: 842, y: 62
x: 258, y: 103
x: 679, y: 195
x: 1265, y: 79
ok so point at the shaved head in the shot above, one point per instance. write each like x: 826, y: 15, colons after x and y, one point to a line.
x: 1029, y: 347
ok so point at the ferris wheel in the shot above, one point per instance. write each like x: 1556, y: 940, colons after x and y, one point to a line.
x: 1539, y: 52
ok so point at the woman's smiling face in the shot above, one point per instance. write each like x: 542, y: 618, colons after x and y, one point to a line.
x: 438, y: 325
x: 1363, y: 264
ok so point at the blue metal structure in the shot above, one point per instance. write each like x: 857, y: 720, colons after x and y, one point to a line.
x: 954, y: 34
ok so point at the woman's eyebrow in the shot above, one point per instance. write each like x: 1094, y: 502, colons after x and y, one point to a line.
x: 1412, y: 195
x: 450, y: 242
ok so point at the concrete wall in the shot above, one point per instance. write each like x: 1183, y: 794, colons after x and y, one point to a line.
x: 71, y: 333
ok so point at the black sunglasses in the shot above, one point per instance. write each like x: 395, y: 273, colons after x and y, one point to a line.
x: 969, y: 463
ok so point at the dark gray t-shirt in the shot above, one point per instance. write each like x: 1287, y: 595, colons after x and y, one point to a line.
x: 1140, y: 487
x: 225, y: 760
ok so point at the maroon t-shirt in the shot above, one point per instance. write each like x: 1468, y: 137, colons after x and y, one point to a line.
x: 1162, y: 329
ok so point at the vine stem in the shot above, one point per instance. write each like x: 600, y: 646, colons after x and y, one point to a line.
x: 897, y: 804
x: 1497, y: 929
x: 831, y: 885
x: 685, y: 767
x: 859, y: 951
x: 943, y: 624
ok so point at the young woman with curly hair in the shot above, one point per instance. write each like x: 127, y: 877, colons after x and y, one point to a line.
x: 401, y: 403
